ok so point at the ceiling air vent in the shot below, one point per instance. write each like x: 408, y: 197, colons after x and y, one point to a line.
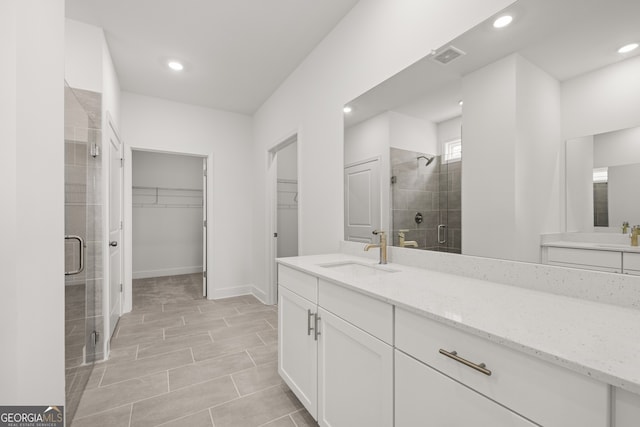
x: 447, y: 55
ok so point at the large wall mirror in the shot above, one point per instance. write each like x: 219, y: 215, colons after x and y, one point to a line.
x: 464, y: 151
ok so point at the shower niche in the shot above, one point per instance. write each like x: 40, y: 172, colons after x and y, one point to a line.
x: 425, y: 201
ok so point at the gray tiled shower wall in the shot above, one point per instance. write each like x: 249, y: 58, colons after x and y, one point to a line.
x: 434, y: 191
x: 600, y: 204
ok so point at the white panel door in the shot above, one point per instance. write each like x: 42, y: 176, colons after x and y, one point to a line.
x: 626, y: 408
x: 297, y: 347
x: 355, y: 376
x: 362, y: 201
x: 115, y: 228
x: 204, y: 227
x: 424, y: 397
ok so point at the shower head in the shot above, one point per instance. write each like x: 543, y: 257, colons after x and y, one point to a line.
x: 428, y: 159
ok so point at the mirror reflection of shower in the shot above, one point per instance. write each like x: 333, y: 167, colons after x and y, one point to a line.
x: 428, y: 159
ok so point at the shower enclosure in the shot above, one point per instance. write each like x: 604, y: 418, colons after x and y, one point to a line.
x: 83, y: 214
x: 426, y: 200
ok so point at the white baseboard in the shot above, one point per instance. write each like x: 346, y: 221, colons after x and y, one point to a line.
x: 176, y: 271
x: 236, y: 291
x: 259, y: 294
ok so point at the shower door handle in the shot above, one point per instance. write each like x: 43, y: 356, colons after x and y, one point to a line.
x: 441, y: 228
x: 81, y: 262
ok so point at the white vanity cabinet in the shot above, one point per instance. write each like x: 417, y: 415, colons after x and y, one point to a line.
x: 589, y: 259
x: 631, y: 263
x: 626, y: 410
x: 297, y: 345
x: 425, y: 397
x: 543, y: 393
x: 335, y: 351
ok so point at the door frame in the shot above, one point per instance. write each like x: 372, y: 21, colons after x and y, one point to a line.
x: 108, y: 327
x: 128, y: 215
x: 272, y: 210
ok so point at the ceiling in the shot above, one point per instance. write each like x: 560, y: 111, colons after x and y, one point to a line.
x: 236, y: 52
x: 565, y: 38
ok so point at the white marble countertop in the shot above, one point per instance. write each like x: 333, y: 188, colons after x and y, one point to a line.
x: 592, y: 246
x: 595, y: 339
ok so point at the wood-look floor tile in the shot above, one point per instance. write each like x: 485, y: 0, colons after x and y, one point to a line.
x: 143, y: 367
x: 208, y: 369
x: 256, y: 409
x: 133, y: 339
x: 237, y: 330
x: 302, y: 418
x: 200, y: 419
x: 285, y: 421
x: 264, y: 354
x: 269, y: 337
x: 194, y: 329
x: 250, y: 317
x: 258, y: 378
x: 188, y: 400
x: 226, y: 346
x: 172, y: 344
x: 118, y: 417
x: 216, y: 313
x: 104, y: 398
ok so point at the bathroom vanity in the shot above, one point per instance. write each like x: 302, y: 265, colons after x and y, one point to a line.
x: 362, y: 344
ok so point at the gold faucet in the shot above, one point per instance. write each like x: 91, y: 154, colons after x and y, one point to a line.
x: 635, y: 231
x: 405, y: 243
x: 382, y: 245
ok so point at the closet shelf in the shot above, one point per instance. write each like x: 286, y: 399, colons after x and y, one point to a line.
x: 164, y: 197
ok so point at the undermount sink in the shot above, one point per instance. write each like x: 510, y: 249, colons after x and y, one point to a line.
x: 358, y: 269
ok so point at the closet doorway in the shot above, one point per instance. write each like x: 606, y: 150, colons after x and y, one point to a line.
x: 168, y: 226
x: 285, y: 197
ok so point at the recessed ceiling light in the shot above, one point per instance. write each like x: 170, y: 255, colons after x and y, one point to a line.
x: 502, y: 21
x: 347, y: 109
x: 628, y: 48
x: 175, y: 65
x: 460, y: 103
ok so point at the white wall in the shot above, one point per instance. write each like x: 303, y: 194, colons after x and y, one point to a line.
x: 488, y: 168
x: 616, y: 148
x: 624, y: 200
x: 83, y: 55
x: 32, y: 218
x: 449, y: 130
x: 412, y: 134
x: 167, y: 240
x: 511, y: 173
x: 603, y: 100
x: 375, y: 40
x: 579, y: 169
x: 159, y: 125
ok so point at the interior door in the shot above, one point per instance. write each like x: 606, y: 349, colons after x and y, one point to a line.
x: 204, y: 227
x: 115, y: 228
x: 362, y: 201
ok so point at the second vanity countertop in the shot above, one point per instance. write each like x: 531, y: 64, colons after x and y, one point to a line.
x: 595, y: 339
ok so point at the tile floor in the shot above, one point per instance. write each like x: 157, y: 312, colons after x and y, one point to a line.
x: 180, y: 360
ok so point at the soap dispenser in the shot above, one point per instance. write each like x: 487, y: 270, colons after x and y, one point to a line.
x: 634, y: 235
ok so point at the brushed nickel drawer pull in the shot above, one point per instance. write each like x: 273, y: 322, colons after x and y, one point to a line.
x: 454, y: 355
x: 309, y: 327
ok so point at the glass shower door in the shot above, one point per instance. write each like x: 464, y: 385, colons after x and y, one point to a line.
x: 82, y: 249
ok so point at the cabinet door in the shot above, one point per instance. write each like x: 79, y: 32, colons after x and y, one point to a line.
x: 424, y: 397
x: 297, y: 349
x: 626, y: 408
x: 355, y: 376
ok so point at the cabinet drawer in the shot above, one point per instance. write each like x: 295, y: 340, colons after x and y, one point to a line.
x: 626, y: 408
x: 631, y: 261
x: 302, y: 284
x: 368, y: 314
x: 606, y: 260
x: 425, y: 397
x: 547, y: 394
